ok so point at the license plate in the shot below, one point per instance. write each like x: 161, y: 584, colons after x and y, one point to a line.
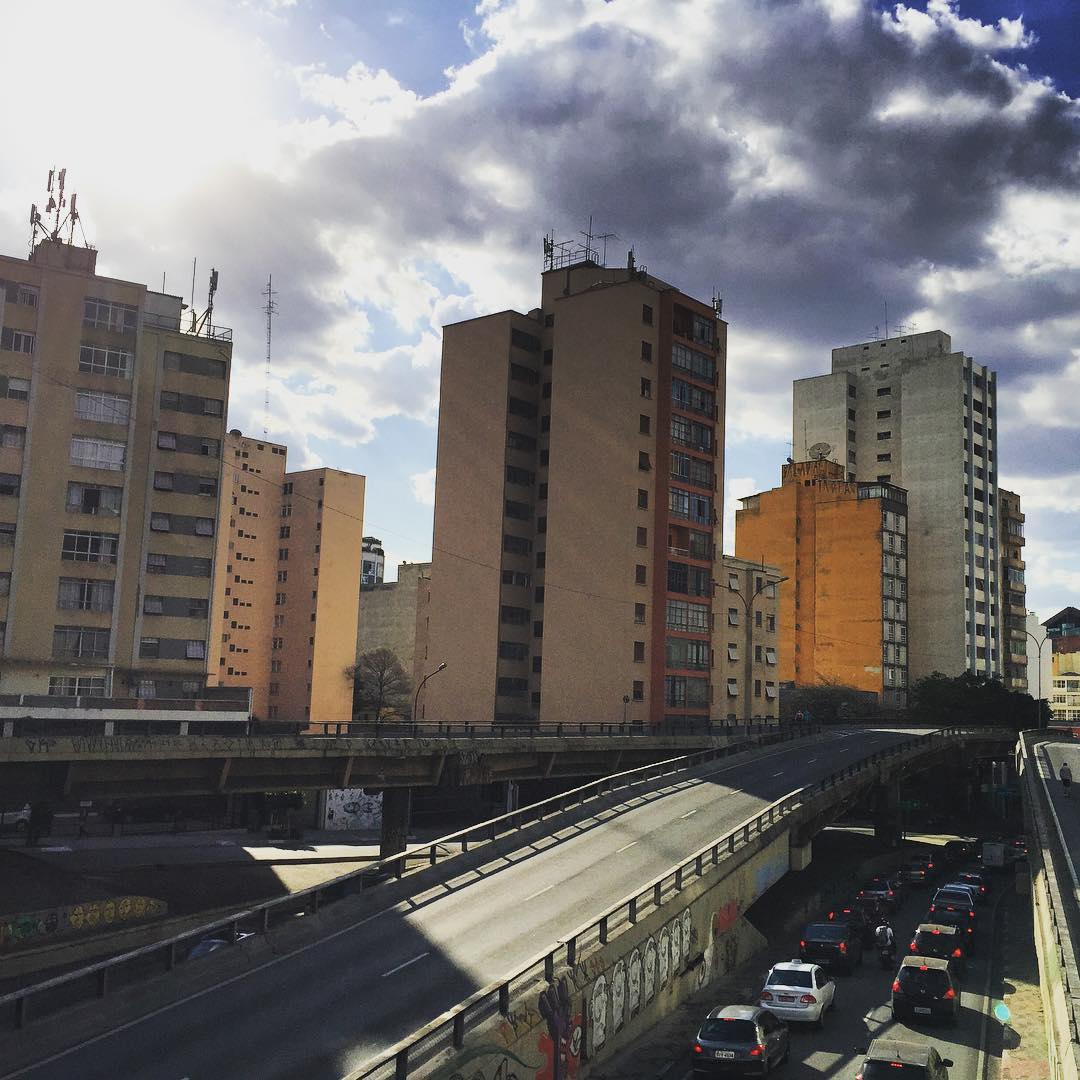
x: 787, y: 997
x: 922, y: 1011
x: 725, y: 1053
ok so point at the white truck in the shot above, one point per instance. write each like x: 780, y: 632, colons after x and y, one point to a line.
x: 993, y: 854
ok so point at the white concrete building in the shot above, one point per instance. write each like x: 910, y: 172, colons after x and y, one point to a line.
x: 912, y: 411
x: 1038, y: 631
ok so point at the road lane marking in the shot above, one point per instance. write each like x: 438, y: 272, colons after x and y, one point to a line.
x: 394, y: 971
x: 780, y: 773
x: 540, y: 893
x: 690, y: 814
x: 626, y: 847
x: 810, y: 761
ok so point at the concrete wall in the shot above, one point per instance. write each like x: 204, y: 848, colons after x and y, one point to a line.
x: 389, y: 614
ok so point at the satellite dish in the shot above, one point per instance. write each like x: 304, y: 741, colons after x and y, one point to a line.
x: 819, y: 451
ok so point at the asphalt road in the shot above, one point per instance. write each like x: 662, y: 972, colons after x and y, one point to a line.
x: 1048, y: 759
x: 325, y: 1009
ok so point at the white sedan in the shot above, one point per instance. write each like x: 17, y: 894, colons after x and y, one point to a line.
x: 798, y: 991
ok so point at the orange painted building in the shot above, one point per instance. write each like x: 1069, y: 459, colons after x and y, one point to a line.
x: 843, y: 547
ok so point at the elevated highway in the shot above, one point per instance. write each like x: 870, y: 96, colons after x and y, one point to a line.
x: 320, y: 1001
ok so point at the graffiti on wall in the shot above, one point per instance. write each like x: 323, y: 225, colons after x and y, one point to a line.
x: 561, y: 1043
x: 352, y: 808
x: 618, y: 996
x: 36, y: 927
x: 633, y: 982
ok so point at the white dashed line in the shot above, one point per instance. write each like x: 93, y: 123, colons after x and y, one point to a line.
x: 626, y: 847
x: 780, y: 773
x: 540, y: 893
x: 405, y: 965
x: 690, y: 814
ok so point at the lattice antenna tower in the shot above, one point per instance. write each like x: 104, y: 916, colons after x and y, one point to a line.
x: 55, y: 210
x: 270, y: 308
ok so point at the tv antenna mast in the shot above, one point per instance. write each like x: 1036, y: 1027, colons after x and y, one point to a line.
x: 54, y: 209
x: 270, y: 307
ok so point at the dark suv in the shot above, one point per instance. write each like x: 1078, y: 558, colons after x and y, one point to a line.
x: 856, y: 918
x: 942, y: 942
x: 836, y: 945
x: 893, y: 1059
x: 924, y: 988
x: 960, y: 920
x: 743, y: 1039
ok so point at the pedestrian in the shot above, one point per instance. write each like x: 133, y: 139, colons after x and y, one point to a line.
x: 1065, y: 776
x: 799, y: 717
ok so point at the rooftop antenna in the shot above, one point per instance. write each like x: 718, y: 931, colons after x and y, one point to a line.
x: 270, y: 307
x: 606, y: 236
x: 194, y: 264
x: 588, y: 240
x: 886, y: 319
x: 55, y: 207
x: 207, y: 317
x: 718, y: 303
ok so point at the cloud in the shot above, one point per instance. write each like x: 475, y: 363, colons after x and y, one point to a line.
x: 736, y: 488
x: 423, y: 487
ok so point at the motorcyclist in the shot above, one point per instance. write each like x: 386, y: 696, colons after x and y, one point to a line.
x: 885, y: 940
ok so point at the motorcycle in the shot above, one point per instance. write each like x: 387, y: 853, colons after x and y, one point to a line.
x: 886, y: 956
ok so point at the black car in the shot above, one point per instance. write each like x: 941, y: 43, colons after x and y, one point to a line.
x: 961, y: 900
x: 943, y: 942
x: 896, y: 1059
x: 924, y: 988
x: 739, y: 1039
x: 978, y: 881
x: 958, y: 919
x: 956, y: 851
x: 856, y: 918
x: 835, y: 945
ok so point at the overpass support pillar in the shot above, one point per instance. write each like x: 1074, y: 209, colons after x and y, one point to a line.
x: 801, y: 851
x: 888, y: 821
x: 396, y: 812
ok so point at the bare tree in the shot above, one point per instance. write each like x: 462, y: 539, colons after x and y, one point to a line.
x: 380, y: 683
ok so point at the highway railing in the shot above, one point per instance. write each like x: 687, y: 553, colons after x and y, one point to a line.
x: 103, y: 977
x: 494, y: 729
x: 448, y: 1030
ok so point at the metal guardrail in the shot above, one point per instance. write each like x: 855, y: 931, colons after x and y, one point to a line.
x: 494, y: 729
x: 96, y: 979
x: 448, y: 1030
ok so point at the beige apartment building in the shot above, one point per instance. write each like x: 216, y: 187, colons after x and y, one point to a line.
x: 577, y: 524
x: 1012, y: 601
x: 285, y: 602
x: 112, y: 419
x: 394, y: 615
x: 747, y: 664
x: 913, y: 412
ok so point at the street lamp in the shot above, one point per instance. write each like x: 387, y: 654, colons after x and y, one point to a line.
x: 625, y: 706
x: 416, y: 696
x: 748, y: 604
x: 1038, y: 703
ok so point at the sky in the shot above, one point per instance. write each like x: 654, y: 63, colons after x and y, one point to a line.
x: 395, y: 165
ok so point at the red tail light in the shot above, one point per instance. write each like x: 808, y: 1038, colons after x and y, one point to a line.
x: 896, y: 985
x: 958, y: 952
x: 949, y: 994
x: 912, y: 947
x: 766, y: 995
x: 757, y: 1051
x: 935, y: 931
x: 843, y: 947
x: 808, y: 999
x: 697, y: 1048
x: 891, y: 892
x: 971, y: 914
x: 802, y: 944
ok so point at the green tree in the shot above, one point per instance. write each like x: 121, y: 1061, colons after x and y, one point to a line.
x: 972, y: 699
x: 380, y: 683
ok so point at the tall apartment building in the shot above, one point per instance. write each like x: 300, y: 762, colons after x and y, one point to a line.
x: 394, y: 614
x: 1063, y: 630
x: 1012, y: 599
x: 244, y: 616
x: 286, y: 599
x: 112, y: 419
x: 580, y: 460
x: 912, y: 412
x: 843, y: 545
x: 374, y: 562
x: 748, y: 662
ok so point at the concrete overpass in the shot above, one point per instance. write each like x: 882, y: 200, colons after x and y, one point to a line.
x: 357, y: 979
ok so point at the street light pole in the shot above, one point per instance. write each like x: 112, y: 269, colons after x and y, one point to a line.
x: 748, y: 604
x: 416, y: 696
x: 1038, y: 703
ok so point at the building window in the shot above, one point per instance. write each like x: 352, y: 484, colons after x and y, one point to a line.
x: 732, y: 651
x: 646, y: 388
x: 639, y: 613
x: 883, y: 435
x: 80, y: 643
x: 884, y: 414
x: 149, y: 648
x: 642, y: 536
x: 18, y: 389
x: 103, y: 407
x: 733, y: 616
x: 7, y: 534
x: 683, y: 615
x: 770, y: 655
x: 770, y: 624
x: 159, y: 522
x: 639, y: 652
x: 16, y: 340
x: 538, y: 628
x: 770, y: 690
x: 733, y: 688
x: 644, y: 424
x: 638, y: 692
x: 85, y: 594
x: 647, y: 314
x: 757, y: 688
x: 195, y: 650
x: 643, y: 462
x: 884, y: 391
x: 76, y: 686
x: 89, y: 547
x: 642, y: 499
x: 109, y: 315
x: 103, y: 360
x: 89, y: 453
x: 639, y: 574
x: 12, y: 437
x: 884, y: 457
x: 646, y: 351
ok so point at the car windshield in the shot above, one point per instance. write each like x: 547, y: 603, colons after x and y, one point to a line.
x: 931, y: 944
x: 914, y: 980
x: 721, y: 1029
x: 789, y: 977
x: 825, y: 932
x: 892, y: 1070
x: 952, y: 896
